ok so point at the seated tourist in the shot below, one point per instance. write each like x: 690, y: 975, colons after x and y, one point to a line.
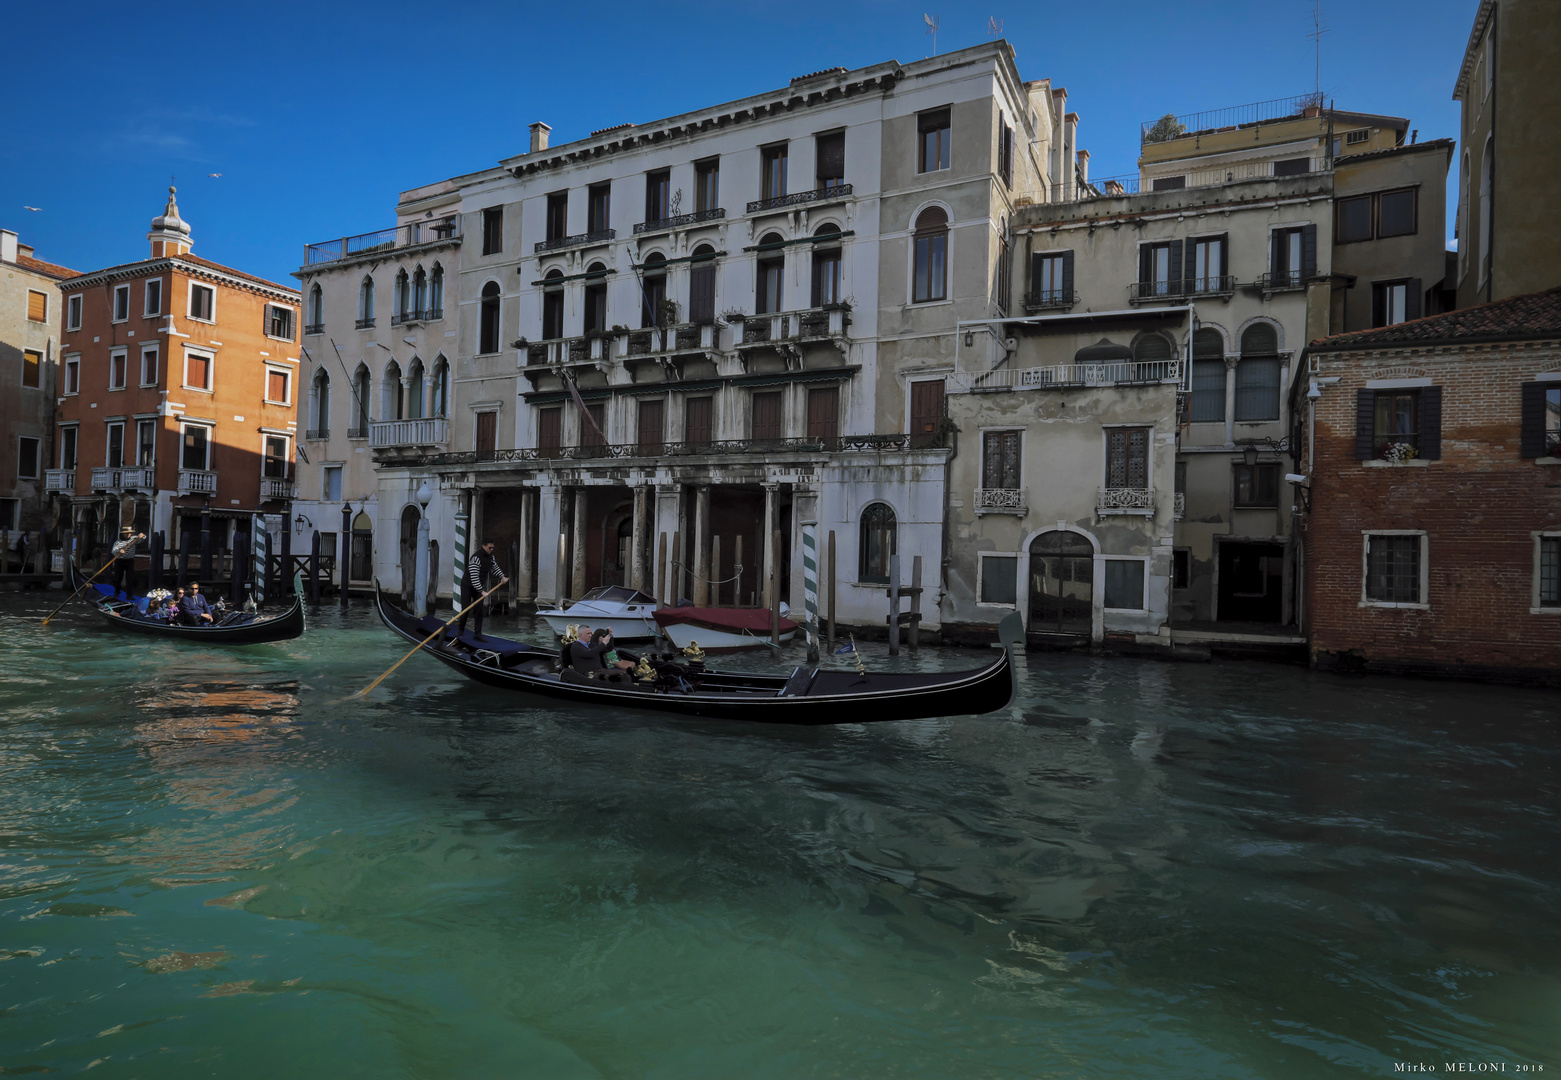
x: 610, y: 658
x: 193, y: 608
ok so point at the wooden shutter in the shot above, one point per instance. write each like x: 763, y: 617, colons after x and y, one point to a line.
x: 652, y: 427
x: 1145, y: 263
x: 1365, y: 424
x: 1532, y: 442
x: 550, y: 434
x: 1412, y: 295
x: 1308, y: 252
x: 831, y: 156
x: 1189, y: 263
x: 701, y: 293
x: 824, y: 412
x: 487, y: 432
x: 593, y: 431
x: 1431, y: 423
x: 767, y: 415
x: 37, y: 306
x: 1224, y: 267
x: 1174, y: 264
x: 1067, y: 276
x: 926, y: 411
x: 697, y: 420
x: 1274, y: 243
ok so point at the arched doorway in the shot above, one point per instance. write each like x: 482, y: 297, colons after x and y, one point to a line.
x: 362, y: 567
x: 409, y: 520
x: 1062, y: 583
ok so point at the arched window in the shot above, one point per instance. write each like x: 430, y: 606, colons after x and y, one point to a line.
x: 769, y: 292
x: 653, y: 301
x: 488, y: 319
x: 316, y: 310
x: 366, y: 303
x: 932, y: 248
x: 879, y: 543
x: 320, y: 405
x: 360, y: 393
x: 440, y: 405
x: 1487, y: 193
x: 701, y: 285
x: 552, y: 304
x: 1151, y: 348
x: 1257, y: 374
x: 1208, y: 376
x: 595, y: 298
x: 394, y: 404
x: 436, y: 293
x: 415, y: 391
x: 403, y: 297
x: 419, y: 293
x: 826, y: 265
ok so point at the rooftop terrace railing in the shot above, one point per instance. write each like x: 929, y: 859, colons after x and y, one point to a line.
x: 408, y: 235
x: 1234, y: 116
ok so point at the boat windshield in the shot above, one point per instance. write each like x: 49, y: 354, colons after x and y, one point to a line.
x: 617, y: 594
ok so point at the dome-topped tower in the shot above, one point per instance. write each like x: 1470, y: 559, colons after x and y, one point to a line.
x: 170, y: 233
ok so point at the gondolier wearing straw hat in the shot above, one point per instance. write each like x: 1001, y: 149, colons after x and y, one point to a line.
x: 123, y: 554
x: 482, y: 574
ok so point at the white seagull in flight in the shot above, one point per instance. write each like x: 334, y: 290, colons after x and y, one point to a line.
x: 214, y: 174
x: 34, y: 209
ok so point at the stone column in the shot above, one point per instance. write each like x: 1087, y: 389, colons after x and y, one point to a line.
x: 577, y: 586
x: 525, y: 556
x: 701, y: 546
x: 771, y: 523
x: 637, y: 542
x: 1230, y: 398
x: 549, y: 554
x: 667, y: 520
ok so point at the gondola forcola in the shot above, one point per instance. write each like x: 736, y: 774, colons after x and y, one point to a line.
x: 120, y: 610
x: 806, y: 696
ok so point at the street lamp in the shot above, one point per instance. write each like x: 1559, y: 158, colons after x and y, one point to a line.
x: 425, y: 495
x: 1249, y: 455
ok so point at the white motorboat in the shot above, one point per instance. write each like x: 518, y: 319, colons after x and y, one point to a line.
x: 628, y: 612
x: 722, y: 630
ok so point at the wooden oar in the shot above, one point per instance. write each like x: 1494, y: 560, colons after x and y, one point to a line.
x: 77, y: 593
x: 365, y: 691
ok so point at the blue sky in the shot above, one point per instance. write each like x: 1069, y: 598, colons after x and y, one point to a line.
x: 318, y: 114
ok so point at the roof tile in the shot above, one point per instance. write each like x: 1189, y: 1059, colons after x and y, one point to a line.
x: 1535, y: 315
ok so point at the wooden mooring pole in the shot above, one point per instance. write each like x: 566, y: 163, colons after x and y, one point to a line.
x: 831, y: 572
x: 894, y: 605
x: 775, y: 596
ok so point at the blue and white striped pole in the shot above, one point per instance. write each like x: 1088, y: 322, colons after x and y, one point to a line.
x: 257, y: 543
x: 810, y: 585
x: 460, y: 556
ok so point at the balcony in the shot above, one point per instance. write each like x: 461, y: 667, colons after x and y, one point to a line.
x: 1001, y: 501
x: 1125, y: 501
x: 197, y: 482
x: 842, y: 444
x: 1148, y: 292
x: 808, y: 324
x: 59, y: 480
x: 366, y: 324
x: 1063, y: 376
x: 310, y: 329
x: 317, y: 434
x: 680, y: 221
x: 357, y: 432
x: 432, y: 431
x: 1179, y: 505
x: 271, y: 488
x: 600, y: 236
x: 1280, y: 281
x: 799, y: 198
x: 413, y: 234
x: 407, y: 318
x: 135, y: 479
x: 1049, y: 300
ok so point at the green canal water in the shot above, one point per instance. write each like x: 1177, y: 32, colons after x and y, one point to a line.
x: 211, y: 866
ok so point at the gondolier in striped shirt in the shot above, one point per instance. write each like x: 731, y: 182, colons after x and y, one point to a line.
x: 482, y: 574
x: 124, y: 556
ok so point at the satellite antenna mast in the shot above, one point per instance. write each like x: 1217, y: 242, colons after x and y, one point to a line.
x: 994, y: 27
x: 932, y: 28
x: 1318, y: 30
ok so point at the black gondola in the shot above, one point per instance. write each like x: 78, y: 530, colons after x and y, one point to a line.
x: 119, y: 610
x: 806, y: 696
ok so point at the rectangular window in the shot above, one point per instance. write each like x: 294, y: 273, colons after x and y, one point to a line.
x: 598, y: 207
x: 118, y: 362
x: 1550, y: 571
x: 1169, y: 183
x: 653, y: 298
x: 121, y: 303
x: 68, y: 447
x: 1396, y: 432
x: 1257, y: 485
x: 330, y: 490
x: 826, y: 276
x: 773, y: 172
x: 1208, y: 391
x: 279, y: 322
x: 698, y: 420
x: 770, y: 293
x: 1396, y: 213
x: 73, y: 312
x: 114, y: 446
x: 701, y: 292
x: 152, y: 297
x: 1393, y: 569
x: 274, y: 464
x: 72, y: 375
x: 550, y: 428
x: 149, y: 366
x: 10, y: 513
x: 767, y: 415
x: 1124, y: 584
x: 1293, y: 166
x: 1127, y: 458
x: 1000, y: 580
x: 933, y: 129
x: 651, y: 429
x: 1049, y: 281
x: 1389, y: 302
x: 1289, y: 256
x: 931, y: 248
x: 197, y: 371
x: 824, y: 412
x: 486, y: 437
x: 830, y: 168
x: 1208, y: 265
x: 707, y: 185
x: 146, y: 443
x: 557, y: 215
x: 1257, y: 388
x: 493, y: 230
x: 1352, y: 219
x: 196, y: 442
x: 595, y: 318
x: 203, y: 302
x: 32, y: 368
x: 277, y: 385
x: 658, y: 195
x: 1158, y: 272
x: 1356, y: 137
x: 1005, y: 152
x: 1000, y: 459
x: 38, y: 306
x: 27, y: 458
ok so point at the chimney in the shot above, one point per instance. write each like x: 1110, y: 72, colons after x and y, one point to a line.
x: 7, y: 246
x: 539, y: 132
x: 1083, y: 157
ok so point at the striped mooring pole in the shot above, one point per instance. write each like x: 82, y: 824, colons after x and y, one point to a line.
x: 459, y: 588
x: 810, y: 585
x: 257, y: 543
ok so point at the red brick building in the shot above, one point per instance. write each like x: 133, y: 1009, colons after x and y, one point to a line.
x: 1431, y: 524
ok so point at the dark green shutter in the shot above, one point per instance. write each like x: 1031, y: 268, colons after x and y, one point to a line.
x: 1431, y: 423
x: 1412, y: 296
x: 1532, y: 442
x: 1067, y: 276
x: 1365, y: 424
x: 1145, y: 252
x: 1190, y: 263
x: 1273, y: 252
x: 1224, y: 268
x: 1175, y: 262
x: 1308, y: 252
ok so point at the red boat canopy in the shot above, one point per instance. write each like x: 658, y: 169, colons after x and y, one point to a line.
x: 735, y: 620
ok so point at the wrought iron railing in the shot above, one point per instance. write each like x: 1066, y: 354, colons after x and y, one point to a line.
x: 314, y: 328
x: 1279, y: 280
x: 798, y: 198
x: 317, y: 433
x: 599, y: 236
x: 366, y: 324
x: 1125, y: 372
x: 1110, y: 187
x: 685, y: 448
x: 1001, y: 501
x: 1285, y: 108
x: 1042, y: 299
x: 1176, y: 288
x: 358, y: 432
x: 662, y: 224
x: 1125, y: 500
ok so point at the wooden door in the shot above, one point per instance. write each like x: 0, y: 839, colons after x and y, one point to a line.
x: 767, y: 415
x: 487, y: 435
x: 651, y: 432
x: 697, y: 421
x: 824, y: 412
x: 926, y: 412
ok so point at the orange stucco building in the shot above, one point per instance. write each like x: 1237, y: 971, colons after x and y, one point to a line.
x: 177, y: 395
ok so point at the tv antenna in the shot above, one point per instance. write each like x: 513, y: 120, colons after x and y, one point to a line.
x: 994, y: 27
x: 1318, y: 30
x: 932, y: 28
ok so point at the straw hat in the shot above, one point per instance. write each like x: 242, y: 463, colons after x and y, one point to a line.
x: 124, y: 531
